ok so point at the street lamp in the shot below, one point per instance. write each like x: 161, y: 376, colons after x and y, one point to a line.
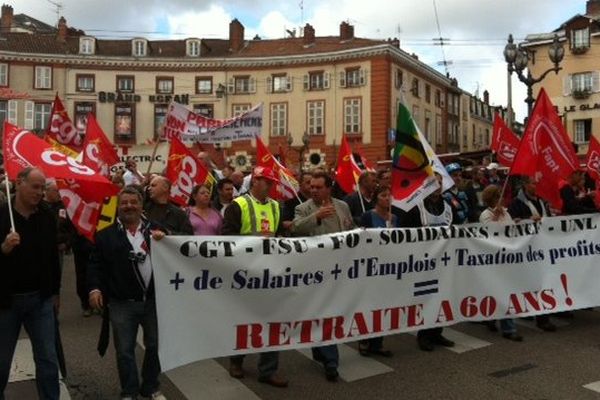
x: 517, y: 58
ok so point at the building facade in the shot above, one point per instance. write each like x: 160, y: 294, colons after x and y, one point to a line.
x: 575, y: 90
x: 316, y: 88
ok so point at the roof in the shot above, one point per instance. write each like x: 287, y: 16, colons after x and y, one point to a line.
x: 48, y: 44
x: 24, y: 21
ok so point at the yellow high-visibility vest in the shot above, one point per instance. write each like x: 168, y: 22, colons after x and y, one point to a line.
x: 258, y: 219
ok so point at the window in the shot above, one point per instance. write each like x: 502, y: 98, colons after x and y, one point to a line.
x: 41, y: 116
x: 353, y: 77
x: 86, y: 45
x: 352, y: 120
x: 193, y: 48
x: 415, y: 115
x: 438, y: 98
x: 580, y: 38
x: 160, y: 113
x: 315, y: 116
x: 581, y: 82
x: 279, y: 84
x: 399, y: 79
x: 164, y: 85
x: 583, y: 130
x: 139, y: 47
x: 415, y: 87
x: 278, y: 119
x: 239, y: 109
x: 3, y: 112
x: 125, y: 84
x: 85, y: 83
x: 486, y: 138
x: 427, y: 125
x: 438, y: 130
x: 3, y: 74
x: 124, y: 123
x: 206, y: 110
x: 43, y: 77
x: 203, y: 85
x: 242, y: 84
x: 428, y: 94
x: 317, y: 80
x: 81, y: 116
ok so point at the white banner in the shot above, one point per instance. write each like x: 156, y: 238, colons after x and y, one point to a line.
x: 191, y: 127
x: 225, y: 295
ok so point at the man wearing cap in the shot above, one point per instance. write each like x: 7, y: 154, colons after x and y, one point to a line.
x: 255, y: 214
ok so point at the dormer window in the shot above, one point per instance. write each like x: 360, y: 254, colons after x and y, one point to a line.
x: 580, y: 39
x: 139, y: 47
x: 86, y: 45
x: 192, y: 48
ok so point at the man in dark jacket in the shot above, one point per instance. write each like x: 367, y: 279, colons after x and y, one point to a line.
x: 120, y: 277
x: 362, y: 200
x: 159, y: 210
x: 29, y: 282
x: 573, y: 202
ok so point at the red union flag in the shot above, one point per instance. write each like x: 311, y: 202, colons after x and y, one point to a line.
x: 185, y: 171
x: 288, y: 186
x: 592, y: 161
x: 504, y: 142
x: 81, y: 188
x: 347, y: 172
x: 98, y: 151
x: 545, y: 153
x: 61, y: 132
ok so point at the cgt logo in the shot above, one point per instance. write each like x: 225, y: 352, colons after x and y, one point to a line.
x: 507, y: 151
x: 186, y: 179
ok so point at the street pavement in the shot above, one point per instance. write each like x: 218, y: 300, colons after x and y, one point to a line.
x: 483, y: 365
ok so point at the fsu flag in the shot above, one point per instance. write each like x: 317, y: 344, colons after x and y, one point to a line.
x: 545, y: 152
x: 592, y: 161
x: 82, y: 189
x: 412, y: 172
x: 185, y: 171
x: 288, y: 186
x: 61, y: 132
x: 98, y: 151
x: 504, y: 142
x: 347, y: 172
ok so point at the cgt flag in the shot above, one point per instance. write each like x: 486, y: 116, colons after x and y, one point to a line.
x: 347, y: 172
x: 412, y: 172
x: 504, y: 142
x: 288, y: 186
x: 82, y: 189
x: 61, y: 132
x: 98, y: 152
x: 185, y: 171
x: 545, y: 152
x: 592, y: 161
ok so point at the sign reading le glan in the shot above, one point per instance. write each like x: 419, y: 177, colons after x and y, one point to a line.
x: 219, y: 296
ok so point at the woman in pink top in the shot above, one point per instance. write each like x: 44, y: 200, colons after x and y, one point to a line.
x: 204, y: 219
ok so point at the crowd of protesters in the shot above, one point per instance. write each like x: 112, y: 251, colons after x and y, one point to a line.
x: 115, y: 273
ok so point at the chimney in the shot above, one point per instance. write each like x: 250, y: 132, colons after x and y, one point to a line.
x: 61, y: 36
x: 346, y: 31
x: 592, y: 8
x: 309, y: 35
x: 236, y: 35
x: 396, y: 42
x: 486, y: 97
x: 6, y: 19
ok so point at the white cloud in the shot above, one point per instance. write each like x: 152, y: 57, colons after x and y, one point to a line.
x: 273, y: 25
x: 210, y: 23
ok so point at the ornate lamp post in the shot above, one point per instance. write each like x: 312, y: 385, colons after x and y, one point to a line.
x: 301, y: 150
x: 517, y: 58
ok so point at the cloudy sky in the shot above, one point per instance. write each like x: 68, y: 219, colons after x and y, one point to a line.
x: 476, y: 29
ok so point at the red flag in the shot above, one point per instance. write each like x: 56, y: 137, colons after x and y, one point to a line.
x: 365, y: 162
x: 288, y: 186
x: 504, y: 142
x: 185, y: 171
x: 545, y: 152
x: 347, y: 172
x: 61, y: 132
x: 82, y: 189
x: 282, y: 160
x: 98, y: 151
x: 592, y: 161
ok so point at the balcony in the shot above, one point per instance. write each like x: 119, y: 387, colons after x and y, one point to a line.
x: 581, y: 94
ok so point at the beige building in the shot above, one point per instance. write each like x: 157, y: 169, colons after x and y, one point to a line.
x: 313, y: 87
x: 575, y: 91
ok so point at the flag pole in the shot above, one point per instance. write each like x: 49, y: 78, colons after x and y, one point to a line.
x: 292, y: 186
x: 362, y: 202
x: 10, y: 209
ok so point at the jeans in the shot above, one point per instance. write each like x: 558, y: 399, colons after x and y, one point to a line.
x: 328, y: 355
x: 267, y: 363
x: 508, y: 326
x: 125, y: 317
x: 36, y: 314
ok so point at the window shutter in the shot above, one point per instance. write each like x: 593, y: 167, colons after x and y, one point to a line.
x: 29, y: 105
x: 567, y: 84
x: 289, y: 81
x: 326, y: 77
x: 269, y: 84
x: 231, y: 86
x: 12, y: 111
x: 362, y: 77
x: 252, y: 85
x: 596, y: 81
x: 306, y: 82
x: 343, y: 79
